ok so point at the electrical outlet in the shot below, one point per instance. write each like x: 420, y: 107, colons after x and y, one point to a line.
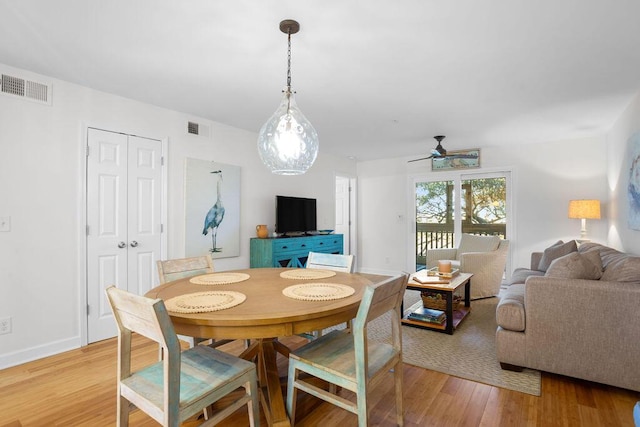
x: 5, y: 325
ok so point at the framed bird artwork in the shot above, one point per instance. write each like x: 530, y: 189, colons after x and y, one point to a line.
x: 212, y: 209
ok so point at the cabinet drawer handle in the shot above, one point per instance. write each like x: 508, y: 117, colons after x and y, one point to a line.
x: 284, y: 247
x: 304, y: 246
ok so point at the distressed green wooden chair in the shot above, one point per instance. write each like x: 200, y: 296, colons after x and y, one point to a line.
x: 349, y: 360
x: 336, y: 262
x: 183, y: 383
x: 175, y: 269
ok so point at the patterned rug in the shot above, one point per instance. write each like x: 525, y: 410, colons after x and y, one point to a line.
x: 469, y: 353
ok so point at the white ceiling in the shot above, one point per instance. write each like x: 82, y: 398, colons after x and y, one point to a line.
x: 376, y: 78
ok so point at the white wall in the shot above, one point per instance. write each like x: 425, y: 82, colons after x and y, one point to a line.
x: 41, y: 189
x: 620, y: 235
x: 545, y: 177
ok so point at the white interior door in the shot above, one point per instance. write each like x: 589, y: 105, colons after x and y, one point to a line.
x: 344, y: 211
x: 124, y: 204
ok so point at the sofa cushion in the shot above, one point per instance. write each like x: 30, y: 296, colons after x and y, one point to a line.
x: 577, y: 266
x: 626, y: 269
x: 554, y: 251
x: 473, y: 243
x: 607, y: 254
x: 510, y: 310
x: 520, y: 275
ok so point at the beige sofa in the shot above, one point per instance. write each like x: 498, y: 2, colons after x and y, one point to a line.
x: 564, y: 320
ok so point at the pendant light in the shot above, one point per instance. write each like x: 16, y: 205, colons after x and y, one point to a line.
x: 287, y: 142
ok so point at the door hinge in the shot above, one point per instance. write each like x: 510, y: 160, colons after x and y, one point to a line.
x: 88, y: 309
x: 88, y: 232
x: 162, y: 228
x: 162, y: 161
x: 87, y: 151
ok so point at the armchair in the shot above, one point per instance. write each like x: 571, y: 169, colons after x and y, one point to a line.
x: 484, y: 256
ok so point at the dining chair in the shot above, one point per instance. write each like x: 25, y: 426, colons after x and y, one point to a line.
x: 175, y: 269
x: 349, y: 360
x: 183, y: 383
x: 336, y: 262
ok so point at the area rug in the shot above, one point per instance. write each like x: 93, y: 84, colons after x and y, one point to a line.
x: 469, y: 353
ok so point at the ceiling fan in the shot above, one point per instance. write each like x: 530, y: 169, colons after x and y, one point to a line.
x: 440, y: 153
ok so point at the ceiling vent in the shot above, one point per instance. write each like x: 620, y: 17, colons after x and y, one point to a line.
x: 26, y: 89
x: 194, y: 128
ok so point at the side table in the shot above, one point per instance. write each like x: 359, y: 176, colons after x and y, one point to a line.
x: 446, y: 290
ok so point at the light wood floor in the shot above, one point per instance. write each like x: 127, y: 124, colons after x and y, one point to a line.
x: 77, y: 388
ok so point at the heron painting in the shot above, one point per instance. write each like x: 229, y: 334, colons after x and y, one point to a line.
x: 212, y: 197
x: 215, y: 215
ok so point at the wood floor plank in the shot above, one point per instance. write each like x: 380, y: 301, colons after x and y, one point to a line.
x: 77, y: 388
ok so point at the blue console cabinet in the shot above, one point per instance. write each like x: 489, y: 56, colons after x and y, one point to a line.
x: 291, y: 251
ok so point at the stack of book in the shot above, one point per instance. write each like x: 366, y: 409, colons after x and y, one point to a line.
x: 428, y: 315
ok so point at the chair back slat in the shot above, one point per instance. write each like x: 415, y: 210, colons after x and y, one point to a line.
x: 335, y: 262
x: 381, y: 298
x: 145, y: 316
x: 174, y: 269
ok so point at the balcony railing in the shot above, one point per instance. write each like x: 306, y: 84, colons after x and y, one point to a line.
x: 435, y: 236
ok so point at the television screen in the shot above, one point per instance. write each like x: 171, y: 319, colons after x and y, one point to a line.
x: 295, y: 214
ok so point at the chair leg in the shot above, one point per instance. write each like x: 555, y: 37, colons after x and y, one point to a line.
x: 292, y: 391
x: 123, y: 412
x: 363, y: 410
x: 397, y: 374
x: 253, y: 405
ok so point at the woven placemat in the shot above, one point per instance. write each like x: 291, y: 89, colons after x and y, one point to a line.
x: 307, y: 273
x: 219, y: 278
x: 201, y: 302
x: 318, y: 291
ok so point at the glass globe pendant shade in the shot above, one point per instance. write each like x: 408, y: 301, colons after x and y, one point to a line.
x: 287, y: 142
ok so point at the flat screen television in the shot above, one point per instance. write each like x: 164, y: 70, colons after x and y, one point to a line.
x: 295, y: 215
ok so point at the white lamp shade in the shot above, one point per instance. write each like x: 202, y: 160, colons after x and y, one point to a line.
x: 287, y: 142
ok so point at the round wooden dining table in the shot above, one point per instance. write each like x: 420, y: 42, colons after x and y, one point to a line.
x: 262, y: 317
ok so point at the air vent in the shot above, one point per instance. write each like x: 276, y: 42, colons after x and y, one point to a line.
x: 26, y: 89
x: 194, y: 128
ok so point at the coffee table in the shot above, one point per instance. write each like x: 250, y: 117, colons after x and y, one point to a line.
x: 446, y: 290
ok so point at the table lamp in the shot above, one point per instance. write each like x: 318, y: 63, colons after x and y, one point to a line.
x: 584, y: 209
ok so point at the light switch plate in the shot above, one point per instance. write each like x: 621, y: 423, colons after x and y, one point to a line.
x: 5, y: 223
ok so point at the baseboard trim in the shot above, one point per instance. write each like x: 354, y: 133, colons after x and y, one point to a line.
x: 34, y: 353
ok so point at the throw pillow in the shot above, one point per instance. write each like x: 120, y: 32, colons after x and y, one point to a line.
x: 576, y: 266
x: 624, y: 270
x: 557, y: 250
x: 473, y: 243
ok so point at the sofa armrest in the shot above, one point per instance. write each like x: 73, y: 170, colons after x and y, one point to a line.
x: 535, y: 260
x: 434, y: 255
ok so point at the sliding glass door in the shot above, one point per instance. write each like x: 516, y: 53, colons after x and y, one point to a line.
x: 461, y: 203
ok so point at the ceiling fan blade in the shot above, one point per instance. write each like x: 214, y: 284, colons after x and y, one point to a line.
x: 417, y: 160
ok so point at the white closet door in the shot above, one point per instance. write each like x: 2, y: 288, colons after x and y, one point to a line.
x: 124, y: 177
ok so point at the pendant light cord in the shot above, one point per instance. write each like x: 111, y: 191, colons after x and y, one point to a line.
x: 289, y: 60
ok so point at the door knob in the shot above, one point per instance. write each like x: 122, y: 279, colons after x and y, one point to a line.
x: 134, y: 244
x: 122, y: 245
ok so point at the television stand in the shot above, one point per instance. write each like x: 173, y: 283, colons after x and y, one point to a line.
x: 292, y: 251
